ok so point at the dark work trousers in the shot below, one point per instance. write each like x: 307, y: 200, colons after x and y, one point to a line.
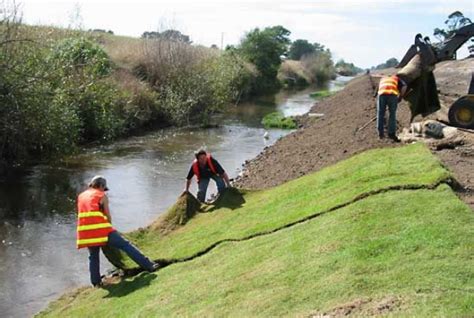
x: 117, y: 241
x: 384, y: 101
x: 204, y: 183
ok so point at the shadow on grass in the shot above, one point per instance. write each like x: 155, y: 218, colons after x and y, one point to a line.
x: 127, y: 287
x: 230, y: 198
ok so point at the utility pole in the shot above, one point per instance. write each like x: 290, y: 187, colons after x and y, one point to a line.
x: 222, y: 41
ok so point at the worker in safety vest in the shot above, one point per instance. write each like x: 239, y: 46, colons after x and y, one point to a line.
x: 94, y: 229
x: 204, y: 167
x: 391, y: 90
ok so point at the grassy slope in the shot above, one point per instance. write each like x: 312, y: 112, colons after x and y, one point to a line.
x: 123, y: 50
x: 312, y: 194
x: 413, y: 248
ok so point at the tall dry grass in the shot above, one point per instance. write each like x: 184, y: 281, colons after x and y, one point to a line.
x: 164, y: 60
x: 320, y: 66
x: 293, y: 73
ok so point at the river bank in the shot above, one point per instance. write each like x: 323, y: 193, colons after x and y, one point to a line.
x: 146, y: 173
x: 381, y: 233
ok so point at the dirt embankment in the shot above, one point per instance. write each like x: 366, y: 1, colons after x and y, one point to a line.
x: 348, y: 128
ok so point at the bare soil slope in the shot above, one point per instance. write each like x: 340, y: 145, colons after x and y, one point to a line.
x: 348, y: 127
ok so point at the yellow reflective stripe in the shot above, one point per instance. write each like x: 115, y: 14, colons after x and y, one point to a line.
x: 93, y: 226
x: 92, y: 241
x: 90, y: 214
x: 389, y: 81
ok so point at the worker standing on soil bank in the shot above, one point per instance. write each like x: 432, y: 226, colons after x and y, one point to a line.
x: 94, y: 229
x: 204, y: 167
x: 391, y: 90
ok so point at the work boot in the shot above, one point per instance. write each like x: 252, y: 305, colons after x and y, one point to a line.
x: 394, y: 138
x: 98, y: 285
x: 155, y: 267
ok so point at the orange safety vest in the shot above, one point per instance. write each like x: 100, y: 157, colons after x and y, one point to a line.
x: 389, y: 86
x: 209, y: 163
x: 93, y: 226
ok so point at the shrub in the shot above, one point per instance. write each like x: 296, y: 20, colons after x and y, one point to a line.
x: 292, y: 73
x: 81, y: 68
x: 192, y: 83
x: 142, y: 107
x: 80, y: 53
x: 33, y: 124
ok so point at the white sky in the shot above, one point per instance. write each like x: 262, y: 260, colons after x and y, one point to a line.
x: 365, y: 32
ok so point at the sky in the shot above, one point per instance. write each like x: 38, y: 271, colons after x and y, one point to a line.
x: 365, y: 32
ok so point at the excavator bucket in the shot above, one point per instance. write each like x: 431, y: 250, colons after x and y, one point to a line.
x: 417, y: 71
x: 422, y: 91
x: 423, y: 48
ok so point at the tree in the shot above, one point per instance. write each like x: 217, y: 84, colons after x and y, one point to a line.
x: 175, y: 35
x: 264, y: 48
x: 170, y: 35
x: 347, y: 69
x: 391, y: 62
x: 455, y: 21
x: 320, y: 48
x: 299, y: 48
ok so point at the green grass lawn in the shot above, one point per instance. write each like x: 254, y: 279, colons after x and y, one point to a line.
x: 400, y: 252
x: 413, y: 249
x: 295, y: 200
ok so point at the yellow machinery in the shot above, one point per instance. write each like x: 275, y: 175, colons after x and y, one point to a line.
x: 461, y: 112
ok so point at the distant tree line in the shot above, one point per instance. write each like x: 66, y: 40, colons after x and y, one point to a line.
x: 279, y: 61
x: 170, y: 35
x: 300, y: 48
x: 347, y: 69
x: 391, y: 62
x: 101, y: 31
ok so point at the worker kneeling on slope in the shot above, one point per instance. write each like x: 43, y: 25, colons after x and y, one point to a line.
x: 204, y: 167
x: 391, y: 90
x: 94, y: 229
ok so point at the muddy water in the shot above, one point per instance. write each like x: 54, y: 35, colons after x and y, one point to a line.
x: 38, y: 258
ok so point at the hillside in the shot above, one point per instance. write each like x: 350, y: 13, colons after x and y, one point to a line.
x: 379, y: 233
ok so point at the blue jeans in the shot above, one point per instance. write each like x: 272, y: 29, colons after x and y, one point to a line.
x: 204, y: 183
x: 382, y: 102
x: 117, y: 241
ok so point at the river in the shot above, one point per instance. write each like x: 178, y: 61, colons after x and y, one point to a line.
x: 145, y: 174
